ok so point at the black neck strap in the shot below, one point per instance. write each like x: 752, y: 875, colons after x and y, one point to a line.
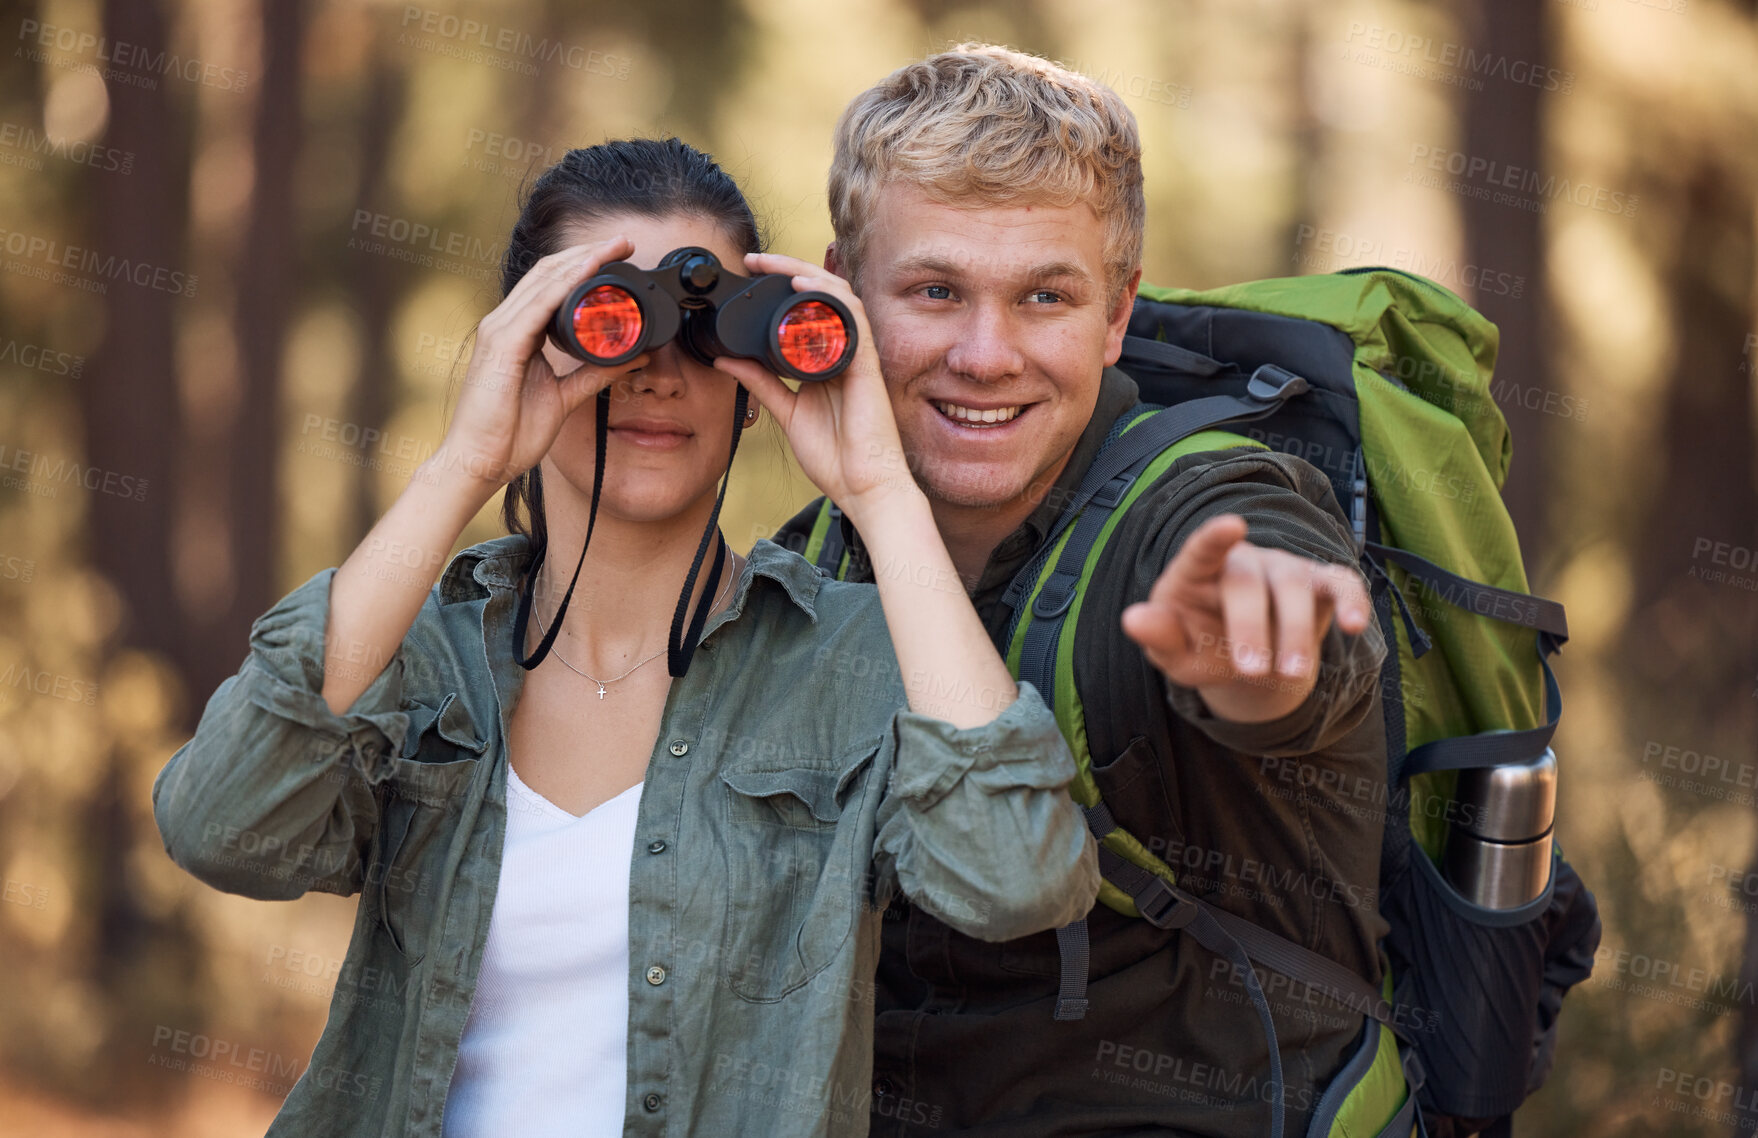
x: 679, y: 646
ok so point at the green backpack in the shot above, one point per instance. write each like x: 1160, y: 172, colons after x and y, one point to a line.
x: 1381, y: 380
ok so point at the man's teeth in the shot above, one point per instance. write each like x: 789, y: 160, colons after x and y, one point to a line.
x: 972, y: 415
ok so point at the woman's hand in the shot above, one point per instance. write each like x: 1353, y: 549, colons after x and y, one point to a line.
x: 845, y: 437
x: 842, y: 430
x: 513, y: 405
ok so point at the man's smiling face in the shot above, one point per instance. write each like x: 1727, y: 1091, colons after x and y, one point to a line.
x: 992, y: 327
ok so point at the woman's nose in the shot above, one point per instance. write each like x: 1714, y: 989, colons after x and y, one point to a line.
x: 662, y: 377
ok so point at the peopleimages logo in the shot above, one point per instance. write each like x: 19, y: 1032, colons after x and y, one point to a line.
x: 1416, y: 50
x: 1668, y: 981
x: 1490, y: 180
x: 31, y: 145
x: 509, y: 49
x: 53, y: 254
x: 123, y: 54
x: 37, y: 358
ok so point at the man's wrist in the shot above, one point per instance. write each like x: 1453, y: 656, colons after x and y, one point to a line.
x: 1257, y: 699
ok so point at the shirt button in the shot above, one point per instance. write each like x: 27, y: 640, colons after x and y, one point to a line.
x: 656, y: 975
x: 651, y: 1102
x: 656, y: 846
x: 679, y: 747
x: 883, y: 1087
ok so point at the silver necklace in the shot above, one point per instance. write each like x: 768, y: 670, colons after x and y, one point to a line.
x: 601, y: 691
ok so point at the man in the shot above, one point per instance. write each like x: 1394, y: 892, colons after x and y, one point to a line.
x: 988, y: 209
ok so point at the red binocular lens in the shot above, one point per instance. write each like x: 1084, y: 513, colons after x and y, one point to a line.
x: 710, y: 311
x: 812, y: 337
x: 607, y: 322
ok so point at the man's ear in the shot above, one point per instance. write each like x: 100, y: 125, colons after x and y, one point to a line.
x: 834, y: 263
x: 1118, y: 321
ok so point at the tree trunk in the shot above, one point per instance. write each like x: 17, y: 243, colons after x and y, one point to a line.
x: 130, y: 399
x: 130, y: 411
x: 375, y: 291
x: 1502, y: 124
x: 266, y: 267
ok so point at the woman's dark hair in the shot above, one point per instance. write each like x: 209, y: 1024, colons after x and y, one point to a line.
x: 647, y: 177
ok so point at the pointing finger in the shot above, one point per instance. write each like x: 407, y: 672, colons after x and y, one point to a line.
x: 1200, y: 560
x: 1245, y: 608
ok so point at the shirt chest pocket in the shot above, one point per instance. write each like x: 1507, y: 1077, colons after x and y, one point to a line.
x: 429, y: 781
x: 798, y: 842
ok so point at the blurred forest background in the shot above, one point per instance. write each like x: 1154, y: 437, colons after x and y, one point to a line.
x: 243, y: 244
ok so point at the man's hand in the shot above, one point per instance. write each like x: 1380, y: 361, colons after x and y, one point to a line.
x: 1224, y: 606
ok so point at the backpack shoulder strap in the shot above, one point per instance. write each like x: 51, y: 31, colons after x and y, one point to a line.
x: 824, y: 546
x: 1040, y: 646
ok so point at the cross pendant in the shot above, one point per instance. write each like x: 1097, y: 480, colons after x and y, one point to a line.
x: 600, y: 691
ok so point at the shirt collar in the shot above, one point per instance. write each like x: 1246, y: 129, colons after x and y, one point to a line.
x: 499, y: 562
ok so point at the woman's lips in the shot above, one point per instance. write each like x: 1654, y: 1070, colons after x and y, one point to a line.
x: 651, y: 434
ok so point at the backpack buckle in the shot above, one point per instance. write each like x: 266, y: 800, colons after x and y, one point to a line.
x: 1272, y: 384
x: 1056, y: 595
x: 1111, y: 493
x: 1163, y: 907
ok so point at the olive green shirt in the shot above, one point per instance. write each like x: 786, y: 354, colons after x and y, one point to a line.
x: 789, y: 796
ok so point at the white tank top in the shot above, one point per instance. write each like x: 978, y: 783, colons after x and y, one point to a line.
x: 545, y: 1048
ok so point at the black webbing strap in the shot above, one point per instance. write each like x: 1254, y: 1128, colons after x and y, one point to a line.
x: 600, y: 433
x: 1544, y: 617
x: 1419, y: 641
x: 1075, y: 952
x: 680, y: 642
x: 1037, y: 656
x: 1474, y: 596
x: 681, y: 645
x: 1171, y: 356
x: 1071, y: 939
x: 1203, y: 923
x: 1166, y: 906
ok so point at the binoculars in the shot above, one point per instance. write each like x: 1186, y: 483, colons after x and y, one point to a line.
x: 711, y: 311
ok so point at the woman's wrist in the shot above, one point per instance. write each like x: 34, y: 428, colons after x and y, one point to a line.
x: 465, y: 478
x: 888, y: 505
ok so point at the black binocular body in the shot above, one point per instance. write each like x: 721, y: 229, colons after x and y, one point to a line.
x: 711, y: 311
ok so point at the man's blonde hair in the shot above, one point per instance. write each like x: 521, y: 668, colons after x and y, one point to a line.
x: 985, y: 122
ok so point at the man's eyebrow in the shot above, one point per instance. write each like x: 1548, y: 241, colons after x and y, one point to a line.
x: 937, y: 265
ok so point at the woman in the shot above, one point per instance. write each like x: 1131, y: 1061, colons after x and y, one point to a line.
x: 598, y: 899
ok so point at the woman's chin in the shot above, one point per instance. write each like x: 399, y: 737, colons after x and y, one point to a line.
x: 643, y: 497
x: 648, y: 508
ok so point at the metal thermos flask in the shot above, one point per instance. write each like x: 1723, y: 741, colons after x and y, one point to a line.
x: 1498, y: 846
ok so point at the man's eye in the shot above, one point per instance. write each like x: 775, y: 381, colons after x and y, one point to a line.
x: 1045, y: 296
x: 937, y: 292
